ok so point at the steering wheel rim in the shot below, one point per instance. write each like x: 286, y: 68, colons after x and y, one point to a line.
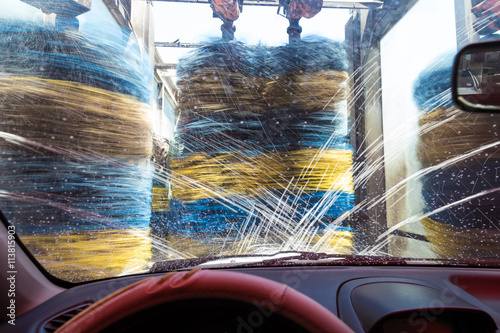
x: 206, y: 284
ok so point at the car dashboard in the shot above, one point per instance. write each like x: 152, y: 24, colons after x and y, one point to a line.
x: 366, y: 298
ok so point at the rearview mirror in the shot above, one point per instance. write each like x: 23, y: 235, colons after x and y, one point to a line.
x: 476, y: 77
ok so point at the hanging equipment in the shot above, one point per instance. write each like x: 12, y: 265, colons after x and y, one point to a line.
x: 228, y: 11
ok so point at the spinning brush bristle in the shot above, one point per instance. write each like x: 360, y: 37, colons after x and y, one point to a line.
x: 455, y: 141
x: 311, y: 55
x: 432, y: 88
x: 231, y: 218
x: 200, y: 176
x: 334, y: 241
x: 76, y: 143
x: 309, y: 91
x: 231, y: 57
x: 454, y: 132
x: 33, y: 50
x: 301, y: 129
x: 160, y: 199
x: 80, y: 256
x: 220, y: 90
x: 43, y: 194
x: 261, y: 123
x: 460, y: 241
x: 218, y: 132
x: 75, y: 117
x: 219, y: 77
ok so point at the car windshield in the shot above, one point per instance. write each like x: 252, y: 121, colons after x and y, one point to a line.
x: 133, y: 132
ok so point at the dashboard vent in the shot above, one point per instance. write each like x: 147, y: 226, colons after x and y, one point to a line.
x: 53, y: 323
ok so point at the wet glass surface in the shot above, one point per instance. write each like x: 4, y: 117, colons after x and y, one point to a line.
x: 121, y: 148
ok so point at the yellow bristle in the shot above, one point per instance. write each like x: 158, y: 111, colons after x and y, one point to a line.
x: 76, y: 118
x: 461, y: 242
x: 160, y: 199
x: 200, y: 175
x: 449, y: 132
x: 310, y: 91
x: 79, y: 256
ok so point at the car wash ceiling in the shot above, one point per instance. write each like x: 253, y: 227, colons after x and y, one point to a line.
x: 67, y: 10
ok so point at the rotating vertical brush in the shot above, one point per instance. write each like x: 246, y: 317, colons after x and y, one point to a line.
x: 266, y: 159
x: 215, y: 176
x: 75, y: 139
x: 306, y: 96
x: 459, y: 154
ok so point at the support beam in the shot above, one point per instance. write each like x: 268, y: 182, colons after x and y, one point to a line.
x: 120, y: 11
x: 178, y: 44
x: 66, y: 11
x: 71, y: 8
x: 164, y: 67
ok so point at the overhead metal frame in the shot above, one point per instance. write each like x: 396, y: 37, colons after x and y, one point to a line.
x: 371, y: 4
x: 345, y: 4
x: 165, y: 66
x: 178, y: 44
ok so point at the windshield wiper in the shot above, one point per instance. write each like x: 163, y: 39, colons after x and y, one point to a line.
x: 288, y: 258
x: 411, y: 235
x: 297, y: 258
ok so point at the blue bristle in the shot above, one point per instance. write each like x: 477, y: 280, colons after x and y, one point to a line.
x: 275, y: 130
x: 455, y: 183
x: 30, y: 49
x: 228, y: 56
x: 311, y: 54
x: 222, y: 132
x: 432, y: 88
x: 45, y: 194
x: 215, y: 217
x: 299, y: 129
x: 256, y: 132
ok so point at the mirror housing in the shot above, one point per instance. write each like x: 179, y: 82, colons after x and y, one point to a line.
x: 475, y: 85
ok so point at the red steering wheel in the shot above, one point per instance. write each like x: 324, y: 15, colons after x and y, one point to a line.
x: 196, y: 299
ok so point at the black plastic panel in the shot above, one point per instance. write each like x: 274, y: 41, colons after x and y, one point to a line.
x: 373, y: 302
x: 326, y: 285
